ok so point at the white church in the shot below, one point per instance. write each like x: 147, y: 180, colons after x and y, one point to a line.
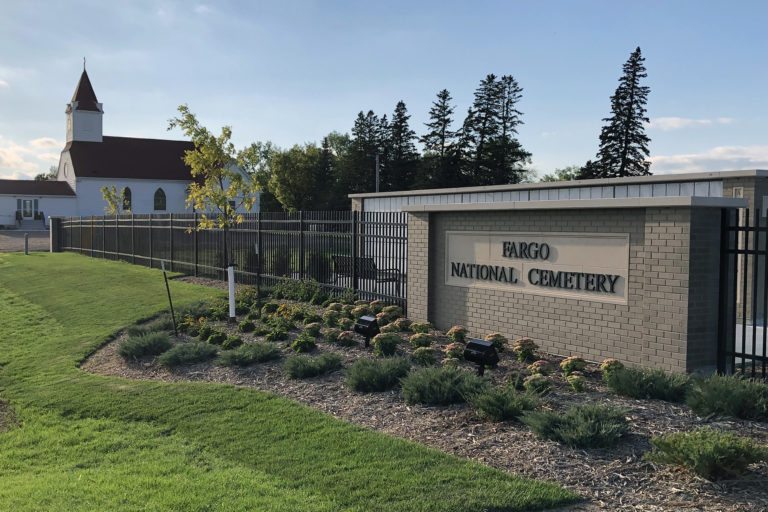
x: 151, y: 171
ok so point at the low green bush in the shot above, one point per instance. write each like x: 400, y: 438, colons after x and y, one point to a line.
x: 346, y: 339
x: 261, y: 330
x: 252, y: 317
x: 188, y: 353
x: 440, y: 386
x: 708, y: 453
x: 304, y: 342
x: 577, y: 382
x: 502, y: 404
x: 246, y: 326
x: 204, y: 331
x: 279, y: 322
x: 195, y: 310
x: 311, y: 318
x: 162, y: 323
x: 332, y: 317
x: 421, y: 327
x: 232, y: 342
x: 729, y: 396
x: 249, y: 354
x: 421, y: 339
x: 269, y: 307
x: 218, y: 310
x: 457, y: 334
x: 424, y: 356
x: 361, y: 310
x: 303, y: 367
x: 572, y: 364
x: 276, y: 334
x: 150, y: 344
x: 581, y: 426
x: 390, y: 327
x: 346, y: 324
x: 331, y: 335
x: 370, y: 375
x: 646, y: 383
x: 385, y: 344
x: 499, y: 341
x: 525, y: 349
x: 217, y: 338
x: 313, y: 329
x: 403, y: 324
x: 537, y: 383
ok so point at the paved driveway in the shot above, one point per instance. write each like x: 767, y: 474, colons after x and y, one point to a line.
x: 13, y: 240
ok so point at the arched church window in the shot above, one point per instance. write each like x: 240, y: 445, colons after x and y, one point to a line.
x: 159, y: 199
x: 126, y: 199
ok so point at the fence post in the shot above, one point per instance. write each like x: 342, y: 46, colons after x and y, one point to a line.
x: 170, y: 239
x: 117, y: 237
x: 196, y: 247
x: 133, y: 240
x: 103, y: 237
x: 355, y: 241
x: 301, y: 245
x: 258, y: 254
x: 150, y: 240
x: 90, y: 228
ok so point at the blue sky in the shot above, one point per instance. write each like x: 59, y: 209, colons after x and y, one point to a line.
x: 292, y: 71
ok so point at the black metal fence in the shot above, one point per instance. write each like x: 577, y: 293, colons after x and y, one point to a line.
x: 743, y: 294
x: 365, y: 252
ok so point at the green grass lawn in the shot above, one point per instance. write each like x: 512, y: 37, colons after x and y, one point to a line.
x: 77, y: 441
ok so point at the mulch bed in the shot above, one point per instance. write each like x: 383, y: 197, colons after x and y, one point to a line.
x: 608, y: 479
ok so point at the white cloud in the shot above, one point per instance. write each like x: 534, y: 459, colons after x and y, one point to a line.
x: 48, y: 157
x: 676, y: 123
x: 202, y: 9
x: 46, y: 143
x: 3, y: 83
x: 721, y: 158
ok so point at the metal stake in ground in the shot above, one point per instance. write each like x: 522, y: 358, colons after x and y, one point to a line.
x: 168, y: 289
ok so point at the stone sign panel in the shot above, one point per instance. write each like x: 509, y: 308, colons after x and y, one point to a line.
x: 591, y: 266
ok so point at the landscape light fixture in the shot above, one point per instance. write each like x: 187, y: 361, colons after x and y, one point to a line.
x: 481, y: 352
x: 368, y: 327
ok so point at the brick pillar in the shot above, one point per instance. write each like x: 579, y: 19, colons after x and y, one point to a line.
x: 418, y: 266
x: 54, y: 232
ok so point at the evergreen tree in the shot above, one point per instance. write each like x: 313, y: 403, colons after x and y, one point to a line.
x: 437, y: 169
x: 623, y: 142
x: 402, y: 156
x: 485, y: 126
x: 367, y: 134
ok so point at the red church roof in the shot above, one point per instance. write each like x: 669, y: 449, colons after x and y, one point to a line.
x: 126, y: 157
x: 35, y: 188
x: 84, y: 95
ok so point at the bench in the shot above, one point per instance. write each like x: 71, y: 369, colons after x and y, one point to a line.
x: 366, y: 269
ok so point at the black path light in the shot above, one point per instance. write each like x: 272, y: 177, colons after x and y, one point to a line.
x: 481, y: 352
x: 368, y: 327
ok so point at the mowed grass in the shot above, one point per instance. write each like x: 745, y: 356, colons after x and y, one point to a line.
x: 87, y: 442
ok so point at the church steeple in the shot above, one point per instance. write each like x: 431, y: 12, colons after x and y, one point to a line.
x: 84, y: 113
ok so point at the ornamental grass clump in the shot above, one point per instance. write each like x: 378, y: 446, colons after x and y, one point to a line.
x: 424, y: 356
x: 420, y: 340
x: 499, y: 341
x: 572, y: 364
x: 457, y: 334
x: 581, y: 426
x: 503, y: 404
x: 732, y: 395
x: 537, y: 383
x: 188, y: 353
x: 151, y: 344
x: 644, y: 383
x: 440, y: 386
x: 542, y: 366
x: 709, y: 453
x: 249, y: 354
x: 372, y: 375
x: 525, y: 349
x: 454, y: 351
x: 304, y: 367
x: 385, y: 344
x: 421, y: 327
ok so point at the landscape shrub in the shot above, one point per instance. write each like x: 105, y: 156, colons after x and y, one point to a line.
x: 312, y: 318
x: 525, y: 349
x: 346, y: 310
x: 312, y: 329
x: 499, y: 341
x: 572, y: 364
x: 708, y: 453
x: 249, y: 354
x: 581, y: 426
x: 217, y: 338
x: 269, y: 308
x: 390, y: 327
x: 298, y: 313
x: 537, y: 383
x: 276, y: 334
x: 261, y: 330
x: 421, y: 339
x: 346, y: 339
x: 515, y: 379
x: 577, y: 382
x: 346, y: 324
x: 376, y: 306
x: 457, y: 334
x: 232, y: 342
x: 246, y: 326
x: 359, y: 311
x: 403, y: 324
x: 218, y: 310
x: 304, y: 342
x: 253, y: 316
x: 150, y: 344
x: 440, y: 386
x: 190, y: 326
x: 397, y: 311
x: 247, y: 295
x: 421, y: 327
x: 279, y: 322
x: 541, y: 366
x: 502, y: 404
x: 241, y: 308
x: 303, y: 367
x: 195, y: 310
x: 335, y: 306
x: 729, y: 396
x: 331, y: 318
x: 646, y: 383
x: 204, y: 331
x: 424, y: 356
x: 331, y: 335
x: 611, y: 365
x: 449, y: 362
x: 385, y: 344
x: 454, y: 351
x: 371, y: 375
x: 187, y: 353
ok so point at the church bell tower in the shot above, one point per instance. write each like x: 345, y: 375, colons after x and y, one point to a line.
x: 84, y: 113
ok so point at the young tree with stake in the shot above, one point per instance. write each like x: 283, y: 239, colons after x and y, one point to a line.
x: 218, y: 190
